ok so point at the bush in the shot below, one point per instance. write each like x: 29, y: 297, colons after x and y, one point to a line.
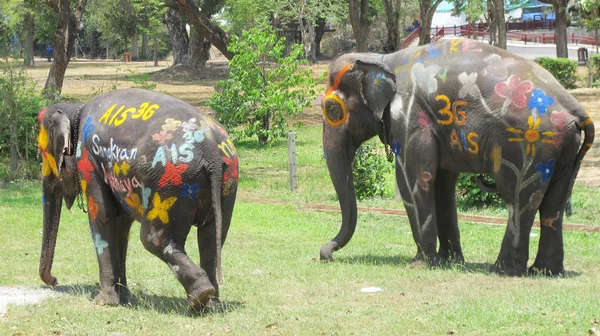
x: 468, y: 194
x: 369, y: 170
x: 264, y: 87
x: 595, y: 59
x: 563, y: 69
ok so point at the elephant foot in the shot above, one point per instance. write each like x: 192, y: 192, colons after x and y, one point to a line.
x: 509, y: 268
x: 327, y: 249
x: 200, y: 294
x: 421, y: 260
x: 107, y: 298
x: 447, y: 257
x: 124, y: 295
x: 545, y: 271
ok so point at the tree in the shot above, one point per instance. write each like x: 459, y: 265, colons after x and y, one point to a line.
x: 20, y: 19
x: 393, y: 10
x: 591, y: 17
x: 492, y: 11
x: 69, y: 26
x: 217, y: 36
x: 175, y: 23
x: 264, y: 87
x: 360, y: 19
x: 427, y: 9
x: 560, y: 8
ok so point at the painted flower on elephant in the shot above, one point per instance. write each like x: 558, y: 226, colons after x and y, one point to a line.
x: 161, y: 137
x: 85, y: 166
x: 540, y: 101
x: 99, y: 243
x: 88, y: 128
x: 124, y: 168
x: 546, y: 170
x: 377, y: 79
x: 190, y: 125
x: 424, y: 178
x: 161, y: 208
x: 424, y: 77
x: 535, y: 200
x: 531, y: 136
x: 396, y: 147
x: 92, y: 208
x: 190, y: 191
x: 433, y: 51
x: 496, y: 66
x: 48, y: 161
x: 559, y: 120
x: 515, y: 90
x: 146, y: 192
x: 171, y: 124
x: 172, y: 174
x: 134, y: 203
x: 469, y: 87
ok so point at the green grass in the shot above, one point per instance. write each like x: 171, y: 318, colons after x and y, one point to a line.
x: 274, y: 283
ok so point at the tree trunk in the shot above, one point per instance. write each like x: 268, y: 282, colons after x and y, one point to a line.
x: 427, y: 10
x: 199, y: 49
x: 319, y: 32
x: 14, y: 149
x: 63, y: 40
x: 392, y: 18
x: 134, y: 44
x: 145, y: 46
x: 500, y: 24
x: 560, y: 8
x: 359, y: 19
x: 155, y: 51
x: 178, y: 35
x: 217, y: 36
x: 29, y: 30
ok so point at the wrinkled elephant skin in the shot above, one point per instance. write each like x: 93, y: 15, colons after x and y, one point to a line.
x: 459, y: 106
x: 137, y: 155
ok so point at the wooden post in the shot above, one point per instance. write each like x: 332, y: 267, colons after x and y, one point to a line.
x: 590, y: 68
x: 292, y: 160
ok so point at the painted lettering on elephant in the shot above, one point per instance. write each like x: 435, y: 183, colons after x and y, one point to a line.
x: 123, y: 185
x: 227, y: 148
x: 454, y: 45
x: 453, y: 116
x: 184, y: 153
x: 113, y: 152
x: 118, y: 117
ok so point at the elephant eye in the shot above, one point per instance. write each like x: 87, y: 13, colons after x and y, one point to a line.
x: 334, y: 108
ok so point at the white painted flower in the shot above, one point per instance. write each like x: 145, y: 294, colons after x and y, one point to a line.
x: 496, y: 66
x: 424, y: 77
x: 397, y: 107
x: 468, y: 85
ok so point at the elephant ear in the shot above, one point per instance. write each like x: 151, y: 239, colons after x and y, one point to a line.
x: 61, y: 137
x: 377, y: 86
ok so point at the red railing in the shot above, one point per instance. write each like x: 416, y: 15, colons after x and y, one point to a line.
x: 410, y: 38
x: 438, y: 35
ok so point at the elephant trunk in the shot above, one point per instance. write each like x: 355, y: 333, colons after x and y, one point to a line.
x: 339, y: 156
x: 52, y: 207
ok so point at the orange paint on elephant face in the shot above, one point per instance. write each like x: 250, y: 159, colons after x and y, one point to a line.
x: 334, y: 98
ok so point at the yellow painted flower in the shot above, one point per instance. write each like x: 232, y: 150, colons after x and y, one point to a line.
x: 124, y: 168
x: 532, y: 136
x: 161, y: 208
x: 134, y: 203
x: 48, y: 161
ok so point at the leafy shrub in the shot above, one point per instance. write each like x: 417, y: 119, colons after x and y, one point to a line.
x: 563, y: 69
x: 264, y: 87
x: 595, y: 59
x: 369, y: 170
x: 468, y: 194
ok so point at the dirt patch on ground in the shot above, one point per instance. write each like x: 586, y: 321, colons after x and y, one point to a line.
x: 21, y: 296
x: 186, y: 73
x: 588, y: 174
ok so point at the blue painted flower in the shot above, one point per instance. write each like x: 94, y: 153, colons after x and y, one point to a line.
x: 396, y: 147
x: 43, y: 199
x: 88, y: 128
x: 540, y: 101
x: 546, y: 169
x: 190, y: 190
x: 433, y: 52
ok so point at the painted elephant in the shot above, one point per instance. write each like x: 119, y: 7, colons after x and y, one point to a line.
x: 143, y: 156
x: 459, y: 106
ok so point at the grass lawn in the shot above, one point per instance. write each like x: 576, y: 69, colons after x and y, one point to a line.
x: 274, y: 284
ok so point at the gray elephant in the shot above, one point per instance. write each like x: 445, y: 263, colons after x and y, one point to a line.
x: 459, y: 106
x: 143, y: 156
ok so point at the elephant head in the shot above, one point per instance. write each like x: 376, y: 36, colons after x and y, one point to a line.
x: 356, y: 107
x: 56, y: 142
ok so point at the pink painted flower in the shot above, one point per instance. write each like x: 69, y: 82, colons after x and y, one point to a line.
x: 515, y: 90
x: 161, y: 137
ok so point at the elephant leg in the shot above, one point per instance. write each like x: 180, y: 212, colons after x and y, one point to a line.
x: 416, y: 183
x: 447, y: 219
x: 110, y: 230
x: 167, y: 242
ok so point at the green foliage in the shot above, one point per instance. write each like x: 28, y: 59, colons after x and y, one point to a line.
x: 19, y: 107
x: 264, y: 89
x: 595, y: 59
x: 370, y: 169
x: 468, y: 194
x: 141, y: 81
x: 563, y: 69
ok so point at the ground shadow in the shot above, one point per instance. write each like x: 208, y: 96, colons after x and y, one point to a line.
x: 154, y: 302
x: 374, y: 260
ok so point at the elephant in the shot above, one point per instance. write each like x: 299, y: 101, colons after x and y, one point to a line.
x: 137, y: 155
x: 455, y: 106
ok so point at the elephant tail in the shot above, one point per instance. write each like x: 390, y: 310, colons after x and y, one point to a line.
x: 586, y: 125
x: 216, y: 182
